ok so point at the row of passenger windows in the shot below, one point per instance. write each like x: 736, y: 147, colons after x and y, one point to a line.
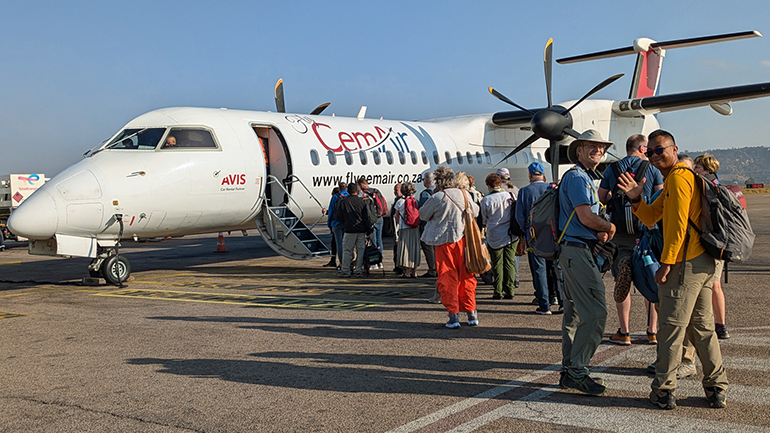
x: 468, y: 157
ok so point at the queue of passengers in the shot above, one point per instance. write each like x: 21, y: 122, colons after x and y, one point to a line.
x: 661, y: 195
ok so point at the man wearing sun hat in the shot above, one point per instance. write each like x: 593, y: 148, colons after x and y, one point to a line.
x: 585, y: 310
x: 542, y: 279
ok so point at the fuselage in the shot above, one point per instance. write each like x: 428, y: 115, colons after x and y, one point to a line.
x: 226, y: 162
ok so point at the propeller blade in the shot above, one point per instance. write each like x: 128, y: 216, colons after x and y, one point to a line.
x: 503, y: 98
x: 279, y: 104
x: 600, y: 86
x: 319, y: 109
x: 548, y: 62
x: 554, y: 149
x: 571, y: 132
x: 531, y: 139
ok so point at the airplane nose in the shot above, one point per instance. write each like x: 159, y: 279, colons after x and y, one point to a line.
x: 36, y: 218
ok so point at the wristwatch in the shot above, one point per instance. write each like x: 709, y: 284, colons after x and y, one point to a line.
x: 636, y: 200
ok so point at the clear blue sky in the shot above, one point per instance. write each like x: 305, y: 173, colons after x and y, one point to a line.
x: 73, y: 73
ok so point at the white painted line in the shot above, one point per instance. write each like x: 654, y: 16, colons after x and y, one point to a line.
x: 605, y: 419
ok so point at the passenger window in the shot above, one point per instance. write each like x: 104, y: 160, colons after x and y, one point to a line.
x: 479, y: 160
x: 362, y: 155
x: 424, y: 157
x: 435, y: 156
x: 459, y: 158
x: 489, y: 157
x: 376, y: 157
x: 526, y: 158
x: 448, y: 157
x: 413, y: 154
x: 314, y: 157
x: 401, y: 158
x: 348, y: 157
x: 469, y: 157
x: 189, y: 138
x: 332, y: 157
x: 389, y: 157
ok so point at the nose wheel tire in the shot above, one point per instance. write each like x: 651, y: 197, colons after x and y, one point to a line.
x: 116, y: 269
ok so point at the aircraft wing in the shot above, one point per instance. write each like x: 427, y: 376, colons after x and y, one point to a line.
x: 681, y: 101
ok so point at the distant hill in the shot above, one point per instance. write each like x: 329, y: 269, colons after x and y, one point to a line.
x: 737, y: 165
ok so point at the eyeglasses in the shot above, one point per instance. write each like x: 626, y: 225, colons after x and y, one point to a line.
x: 657, y: 151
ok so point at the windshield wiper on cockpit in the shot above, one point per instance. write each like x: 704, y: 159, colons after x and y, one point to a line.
x: 116, y: 141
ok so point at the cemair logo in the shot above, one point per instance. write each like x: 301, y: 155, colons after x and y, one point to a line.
x: 31, y: 179
x: 234, y: 179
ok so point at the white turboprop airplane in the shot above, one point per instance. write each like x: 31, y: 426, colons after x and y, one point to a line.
x: 233, y: 170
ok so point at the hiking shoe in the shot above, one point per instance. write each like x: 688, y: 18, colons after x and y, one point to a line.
x: 664, y: 398
x: 686, y: 370
x: 716, y: 397
x: 722, y: 333
x: 473, y: 318
x: 554, y: 301
x: 435, y: 298
x: 563, y: 374
x: 585, y: 385
x: 623, y: 280
x: 651, y: 368
x: 454, y: 321
x: 543, y: 311
x: 652, y: 338
x: 508, y: 296
x: 621, y: 338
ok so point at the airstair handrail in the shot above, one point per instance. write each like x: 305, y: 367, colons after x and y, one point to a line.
x: 294, y: 179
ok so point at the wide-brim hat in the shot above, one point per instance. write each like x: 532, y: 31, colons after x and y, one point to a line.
x: 589, y: 135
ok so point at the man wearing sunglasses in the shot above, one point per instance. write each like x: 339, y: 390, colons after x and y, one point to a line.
x: 684, y: 291
x: 585, y: 311
x: 629, y: 229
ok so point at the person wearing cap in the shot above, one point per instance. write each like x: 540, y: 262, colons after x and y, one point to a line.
x: 543, y: 273
x: 636, y: 145
x: 685, y: 276
x: 507, y: 184
x: 585, y: 310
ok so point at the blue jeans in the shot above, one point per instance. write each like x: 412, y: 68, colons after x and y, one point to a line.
x: 539, y: 272
x: 377, y: 235
x: 339, y: 231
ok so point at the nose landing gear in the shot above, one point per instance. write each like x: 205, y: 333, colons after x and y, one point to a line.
x: 108, y: 265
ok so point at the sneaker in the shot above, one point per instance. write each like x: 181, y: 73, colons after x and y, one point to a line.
x: 584, y: 384
x: 623, y: 280
x: 554, y: 301
x: 664, y: 398
x: 435, y: 298
x: 454, y: 321
x: 620, y: 338
x: 535, y: 302
x: 722, y: 333
x: 651, y: 368
x: 338, y: 268
x: 343, y: 275
x: 686, y: 370
x: 563, y: 373
x: 652, y: 338
x: 716, y: 397
x: 543, y: 311
x: 473, y: 318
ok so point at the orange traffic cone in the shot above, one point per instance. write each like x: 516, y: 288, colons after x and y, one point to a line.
x: 221, y: 244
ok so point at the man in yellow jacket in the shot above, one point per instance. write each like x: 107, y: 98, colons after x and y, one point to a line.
x: 684, y: 277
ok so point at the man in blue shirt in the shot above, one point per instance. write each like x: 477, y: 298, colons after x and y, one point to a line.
x: 542, y: 270
x: 636, y: 145
x: 585, y: 311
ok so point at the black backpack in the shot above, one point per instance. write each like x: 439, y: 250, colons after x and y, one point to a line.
x: 620, y: 207
x: 370, y: 211
x: 514, y: 230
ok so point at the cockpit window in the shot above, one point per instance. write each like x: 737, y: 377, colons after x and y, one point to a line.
x: 189, y: 138
x: 137, y: 138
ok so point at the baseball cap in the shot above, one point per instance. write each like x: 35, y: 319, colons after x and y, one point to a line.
x: 536, y: 169
x: 503, y: 172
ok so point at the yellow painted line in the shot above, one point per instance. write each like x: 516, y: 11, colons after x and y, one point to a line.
x: 10, y: 263
x: 251, y: 300
x: 9, y: 315
x: 15, y: 294
x: 368, y: 290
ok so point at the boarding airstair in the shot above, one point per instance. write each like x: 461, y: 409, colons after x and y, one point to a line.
x: 282, y: 226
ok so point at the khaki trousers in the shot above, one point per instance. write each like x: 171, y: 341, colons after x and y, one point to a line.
x: 686, y: 310
x: 585, y: 310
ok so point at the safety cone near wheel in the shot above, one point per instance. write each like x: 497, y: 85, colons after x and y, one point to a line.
x: 221, y: 244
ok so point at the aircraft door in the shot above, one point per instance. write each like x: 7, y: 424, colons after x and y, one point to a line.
x: 277, y: 163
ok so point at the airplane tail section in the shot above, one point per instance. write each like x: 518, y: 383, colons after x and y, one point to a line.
x: 650, y: 58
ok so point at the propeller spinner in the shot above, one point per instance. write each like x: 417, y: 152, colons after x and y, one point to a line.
x: 553, y: 123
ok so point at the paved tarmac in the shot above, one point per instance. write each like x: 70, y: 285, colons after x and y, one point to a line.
x: 201, y: 341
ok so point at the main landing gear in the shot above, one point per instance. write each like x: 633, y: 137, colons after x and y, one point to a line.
x: 109, y: 265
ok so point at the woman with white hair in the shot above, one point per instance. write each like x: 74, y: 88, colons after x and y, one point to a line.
x: 444, y: 229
